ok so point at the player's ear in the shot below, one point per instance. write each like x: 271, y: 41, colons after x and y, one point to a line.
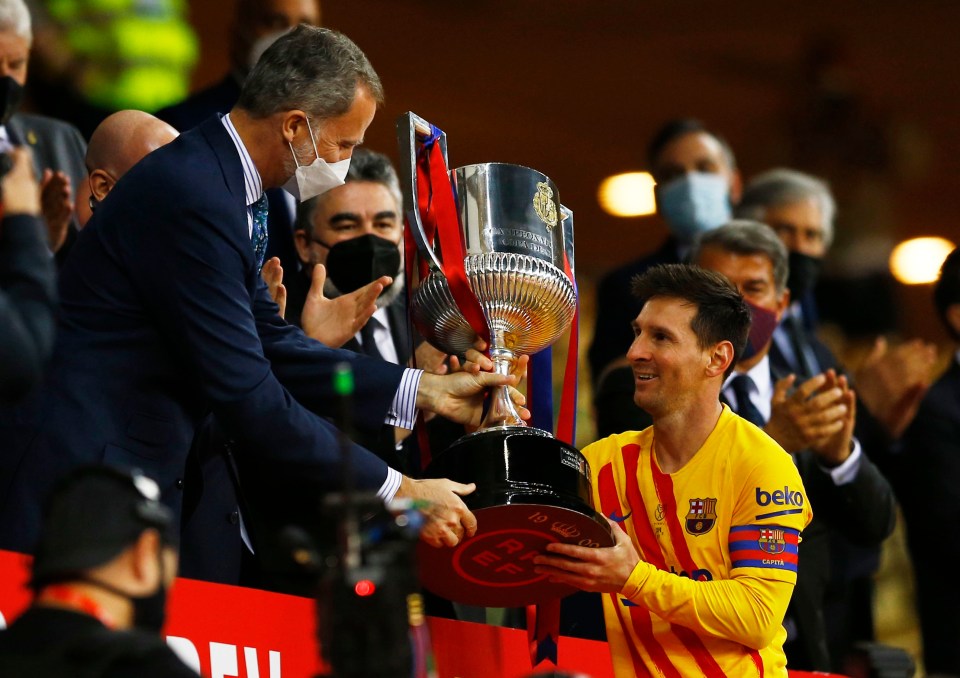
x: 719, y: 359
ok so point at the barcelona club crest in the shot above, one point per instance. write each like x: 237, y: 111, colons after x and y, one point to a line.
x: 544, y: 206
x: 702, y: 516
x: 772, y: 541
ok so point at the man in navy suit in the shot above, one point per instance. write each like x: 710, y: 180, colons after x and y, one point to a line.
x: 165, y: 317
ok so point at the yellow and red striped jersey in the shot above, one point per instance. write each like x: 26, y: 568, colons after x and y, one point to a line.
x: 718, y: 546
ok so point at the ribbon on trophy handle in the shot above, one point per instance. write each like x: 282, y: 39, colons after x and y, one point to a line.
x: 435, y: 215
x: 438, y: 209
x: 543, y: 621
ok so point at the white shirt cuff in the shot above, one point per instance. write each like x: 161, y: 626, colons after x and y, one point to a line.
x: 848, y: 470
x: 403, y: 409
x: 390, y: 486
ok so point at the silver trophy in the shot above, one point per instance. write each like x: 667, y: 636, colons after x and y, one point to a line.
x: 531, y: 488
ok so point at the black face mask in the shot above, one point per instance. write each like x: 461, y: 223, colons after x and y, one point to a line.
x: 149, y: 612
x: 804, y: 271
x: 353, y: 263
x: 11, y: 94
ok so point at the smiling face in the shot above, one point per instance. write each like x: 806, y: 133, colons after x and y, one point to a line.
x: 670, y: 369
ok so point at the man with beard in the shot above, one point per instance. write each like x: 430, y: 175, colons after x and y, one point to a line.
x: 165, y: 317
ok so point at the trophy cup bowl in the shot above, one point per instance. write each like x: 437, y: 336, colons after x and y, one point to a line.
x: 532, y: 489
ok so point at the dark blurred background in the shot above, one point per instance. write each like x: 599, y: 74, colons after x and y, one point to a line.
x: 863, y: 94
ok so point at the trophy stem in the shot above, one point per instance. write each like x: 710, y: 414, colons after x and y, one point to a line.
x: 502, y: 412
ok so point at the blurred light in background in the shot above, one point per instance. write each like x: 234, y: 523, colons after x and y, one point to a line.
x: 918, y: 260
x: 628, y: 195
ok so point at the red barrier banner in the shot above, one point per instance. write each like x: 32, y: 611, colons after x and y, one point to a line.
x: 226, y: 631
x: 229, y: 631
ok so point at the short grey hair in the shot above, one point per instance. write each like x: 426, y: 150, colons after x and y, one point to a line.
x: 316, y: 70
x: 741, y: 236
x: 365, y: 165
x: 778, y: 187
x: 15, y: 17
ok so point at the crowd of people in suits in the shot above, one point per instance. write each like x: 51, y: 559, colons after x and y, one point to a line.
x: 181, y: 350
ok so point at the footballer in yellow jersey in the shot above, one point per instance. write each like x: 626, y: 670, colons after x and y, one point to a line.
x: 707, y: 508
x: 711, y: 537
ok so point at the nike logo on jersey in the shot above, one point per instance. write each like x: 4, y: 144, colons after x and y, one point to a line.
x: 619, y: 519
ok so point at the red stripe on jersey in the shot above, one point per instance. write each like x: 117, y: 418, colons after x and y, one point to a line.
x: 649, y: 547
x: 649, y: 551
x: 610, y: 505
x: 758, y: 661
x: 609, y: 497
x: 643, y: 626
x: 648, y: 540
x: 639, y: 667
x: 664, y: 484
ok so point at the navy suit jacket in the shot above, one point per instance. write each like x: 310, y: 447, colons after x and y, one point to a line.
x: 164, y: 319
x: 220, y: 98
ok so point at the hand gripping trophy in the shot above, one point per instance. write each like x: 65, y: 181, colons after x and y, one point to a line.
x: 498, y: 264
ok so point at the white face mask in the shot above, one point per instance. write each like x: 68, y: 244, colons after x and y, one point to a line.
x: 318, y: 177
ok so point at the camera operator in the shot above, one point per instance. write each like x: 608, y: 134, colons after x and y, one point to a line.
x: 27, y: 285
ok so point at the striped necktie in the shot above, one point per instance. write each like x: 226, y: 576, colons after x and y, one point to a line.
x: 259, y: 235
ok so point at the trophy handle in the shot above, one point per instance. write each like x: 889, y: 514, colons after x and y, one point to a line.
x: 410, y: 128
x: 566, y: 219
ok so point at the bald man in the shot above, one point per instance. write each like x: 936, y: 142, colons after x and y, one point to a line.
x: 118, y: 143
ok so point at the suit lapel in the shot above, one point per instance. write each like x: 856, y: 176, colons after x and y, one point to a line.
x: 15, y: 130
x: 399, y: 328
x: 231, y: 166
x: 228, y: 157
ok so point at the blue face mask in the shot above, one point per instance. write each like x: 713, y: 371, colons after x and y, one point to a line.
x: 694, y: 203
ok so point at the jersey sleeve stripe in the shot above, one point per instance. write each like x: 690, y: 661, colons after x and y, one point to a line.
x: 740, y: 548
x: 768, y: 563
x: 788, y: 512
x: 764, y: 546
x: 746, y: 531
